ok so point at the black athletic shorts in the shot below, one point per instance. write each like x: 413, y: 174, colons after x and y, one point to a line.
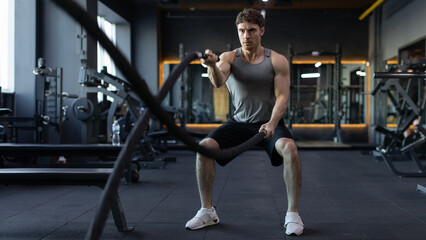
x: 233, y: 133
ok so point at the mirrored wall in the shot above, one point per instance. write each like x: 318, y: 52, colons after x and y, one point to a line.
x: 312, y: 94
x: 313, y: 90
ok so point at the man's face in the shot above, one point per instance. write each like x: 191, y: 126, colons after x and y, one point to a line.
x: 249, y: 34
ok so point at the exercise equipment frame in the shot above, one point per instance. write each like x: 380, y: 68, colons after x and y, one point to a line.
x: 389, y: 79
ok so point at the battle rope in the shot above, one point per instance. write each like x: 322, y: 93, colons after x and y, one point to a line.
x: 153, y: 103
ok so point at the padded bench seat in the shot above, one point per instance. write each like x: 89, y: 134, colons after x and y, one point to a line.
x: 66, y: 176
x: 54, y: 176
x: 18, y: 149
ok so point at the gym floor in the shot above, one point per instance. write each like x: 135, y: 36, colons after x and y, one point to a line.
x: 345, y: 195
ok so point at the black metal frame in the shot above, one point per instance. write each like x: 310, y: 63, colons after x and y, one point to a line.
x: 93, y: 80
x: 335, y: 94
x: 389, y: 80
x: 388, y: 159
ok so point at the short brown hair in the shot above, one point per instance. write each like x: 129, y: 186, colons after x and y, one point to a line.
x: 252, y: 16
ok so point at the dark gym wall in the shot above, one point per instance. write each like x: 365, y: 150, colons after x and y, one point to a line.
x: 305, y: 29
x: 317, y: 30
x: 197, y: 30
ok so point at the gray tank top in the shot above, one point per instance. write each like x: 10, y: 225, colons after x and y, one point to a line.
x: 251, y: 87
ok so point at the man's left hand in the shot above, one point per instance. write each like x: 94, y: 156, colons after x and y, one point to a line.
x: 268, y: 128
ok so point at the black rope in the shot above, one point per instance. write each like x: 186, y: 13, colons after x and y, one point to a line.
x: 153, y: 103
x: 128, y: 148
x: 140, y: 86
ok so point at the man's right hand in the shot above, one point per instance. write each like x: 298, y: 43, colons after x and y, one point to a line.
x: 211, y: 58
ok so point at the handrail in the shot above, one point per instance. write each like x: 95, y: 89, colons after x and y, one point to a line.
x: 399, y: 75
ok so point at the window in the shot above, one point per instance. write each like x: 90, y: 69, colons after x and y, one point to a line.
x: 7, y: 58
x: 104, y: 60
x: 103, y: 57
x: 118, y: 31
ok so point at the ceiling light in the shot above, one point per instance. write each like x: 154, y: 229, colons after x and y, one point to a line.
x: 315, y: 53
x: 263, y: 12
x: 361, y: 73
x: 310, y: 75
x: 317, y: 64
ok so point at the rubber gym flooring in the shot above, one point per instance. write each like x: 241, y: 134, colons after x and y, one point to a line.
x: 345, y: 195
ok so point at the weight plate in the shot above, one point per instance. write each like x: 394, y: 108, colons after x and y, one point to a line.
x: 82, y: 108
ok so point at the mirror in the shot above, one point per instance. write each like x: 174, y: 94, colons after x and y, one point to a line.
x: 312, y: 94
x: 194, y: 95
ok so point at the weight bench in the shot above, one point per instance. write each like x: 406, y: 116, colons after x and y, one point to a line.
x: 37, y: 149
x: 67, y: 176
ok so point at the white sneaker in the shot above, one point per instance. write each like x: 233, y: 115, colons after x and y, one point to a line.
x: 293, y: 224
x: 204, y: 218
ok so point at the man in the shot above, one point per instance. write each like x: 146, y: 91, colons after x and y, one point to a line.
x: 259, y: 89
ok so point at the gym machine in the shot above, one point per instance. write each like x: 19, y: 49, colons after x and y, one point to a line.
x: 49, y: 102
x: 125, y: 108
x: 95, y: 82
x: 396, y: 146
x: 49, y: 111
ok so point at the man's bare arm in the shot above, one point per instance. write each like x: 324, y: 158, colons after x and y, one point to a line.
x: 281, y: 89
x: 218, y: 71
